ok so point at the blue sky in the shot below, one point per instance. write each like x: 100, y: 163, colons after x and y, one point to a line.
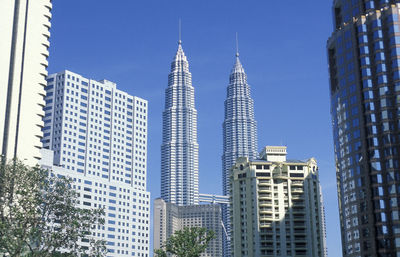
x: 282, y: 49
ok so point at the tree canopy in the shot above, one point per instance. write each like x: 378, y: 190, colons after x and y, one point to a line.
x: 188, y: 242
x: 39, y: 215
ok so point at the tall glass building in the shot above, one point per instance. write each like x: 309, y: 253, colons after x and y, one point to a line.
x: 180, y: 150
x: 364, y: 67
x: 239, y: 133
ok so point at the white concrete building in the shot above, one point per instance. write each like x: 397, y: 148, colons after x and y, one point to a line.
x: 24, y: 30
x: 277, y: 207
x: 169, y: 217
x: 99, y: 136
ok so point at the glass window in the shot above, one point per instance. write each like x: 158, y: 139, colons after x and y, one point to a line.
x: 369, y: 5
x: 368, y: 95
x: 394, y: 29
x: 383, y: 90
x: 368, y: 83
x: 364, y: 50
x: 369, y: 106
x: 378, y: 34
x: 381, y: 68
x: 378, y: 45
x: 376, y: 166
x: 362, y: 28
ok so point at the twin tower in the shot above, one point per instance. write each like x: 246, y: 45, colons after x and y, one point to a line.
x: 180, y: 149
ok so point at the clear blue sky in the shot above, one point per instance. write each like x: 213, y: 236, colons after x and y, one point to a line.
x: 282, y: 48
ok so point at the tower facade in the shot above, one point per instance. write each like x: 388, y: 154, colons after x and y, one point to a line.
x: 180, y: 150
x: 364, y: 67
x: 239, y: 133
x: 98, y: 134
x: 24, y: 30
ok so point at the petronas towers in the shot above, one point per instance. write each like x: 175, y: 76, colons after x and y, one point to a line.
x: 179, y: 150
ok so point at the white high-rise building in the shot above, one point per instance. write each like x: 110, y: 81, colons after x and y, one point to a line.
x: 239, y: 133
x: 180, y: 150
x: 99, y: 136
x: 277, y: 207
x: 24, y: 30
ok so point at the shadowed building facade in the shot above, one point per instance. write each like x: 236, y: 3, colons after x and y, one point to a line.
x: 364, y: 62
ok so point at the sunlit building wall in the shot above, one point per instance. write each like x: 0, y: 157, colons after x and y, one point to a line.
x: 24, y: 43
x: 98, y: 134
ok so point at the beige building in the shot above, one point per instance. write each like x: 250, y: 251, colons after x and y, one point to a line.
x: 169, y: 217
x: 24, y: 30
x: 277, y: 207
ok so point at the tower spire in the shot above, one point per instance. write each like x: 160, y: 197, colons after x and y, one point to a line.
x: 180, y: 32
x: 237, y: 68
x: 237, y: 45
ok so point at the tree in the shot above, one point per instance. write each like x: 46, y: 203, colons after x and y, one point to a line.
x: 39, y: 215
x: 189, y: 242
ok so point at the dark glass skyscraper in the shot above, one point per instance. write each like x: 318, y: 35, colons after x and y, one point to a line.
x: 364, y: 66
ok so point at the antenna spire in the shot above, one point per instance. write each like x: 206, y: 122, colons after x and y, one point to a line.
x: 237, y: 45
x: 180, y: 32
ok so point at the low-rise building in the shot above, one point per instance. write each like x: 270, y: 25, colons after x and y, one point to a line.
x: 169, y: 217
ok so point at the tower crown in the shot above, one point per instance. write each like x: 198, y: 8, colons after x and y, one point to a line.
x: 237, y: 68
x: 180, y: 54
x: 180, y: 62
x: 238, y: 76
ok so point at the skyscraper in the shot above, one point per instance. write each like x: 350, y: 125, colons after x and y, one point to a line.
x: 179, y: 205
x: 99, y: 136
x: 180, y: 150
x: 239, y: 133
x: 364, y: 61
x: 24, y: 30
x: 277, y: 206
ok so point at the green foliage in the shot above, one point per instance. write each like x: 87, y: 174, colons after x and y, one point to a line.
x: 39, y: 215
x: 189, y: 242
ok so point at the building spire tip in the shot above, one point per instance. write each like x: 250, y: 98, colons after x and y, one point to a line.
x: 180, y: 32
x: 237, y: 45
